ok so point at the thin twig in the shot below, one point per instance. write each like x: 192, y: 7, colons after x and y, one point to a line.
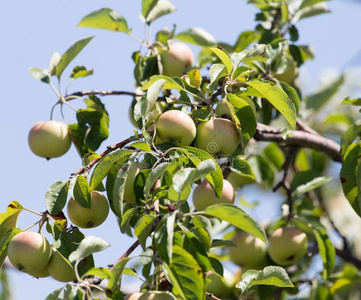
x: 211, y: 296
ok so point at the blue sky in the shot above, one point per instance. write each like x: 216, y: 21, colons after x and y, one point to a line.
x: 30, y: 31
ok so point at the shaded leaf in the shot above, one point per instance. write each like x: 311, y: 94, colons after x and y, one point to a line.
x: 197, y: 36
x: 80, y: 191
x: 88, y: 246
x: 40, y: 74
x: 224, y: 57
x: 56, y: 196
x: 162, y: 8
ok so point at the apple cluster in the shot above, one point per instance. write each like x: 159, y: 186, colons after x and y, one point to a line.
x: 30, y: 252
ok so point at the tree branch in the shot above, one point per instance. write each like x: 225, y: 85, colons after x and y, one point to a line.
x: 299, y: 138
x: 104, y: 93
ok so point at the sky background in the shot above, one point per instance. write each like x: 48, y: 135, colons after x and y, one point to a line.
x: 30, y: 31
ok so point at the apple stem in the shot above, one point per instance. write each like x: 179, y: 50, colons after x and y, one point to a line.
x: 33, y: 211
x: 32, y: 226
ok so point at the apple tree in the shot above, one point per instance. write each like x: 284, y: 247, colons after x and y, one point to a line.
x: 204, y: 127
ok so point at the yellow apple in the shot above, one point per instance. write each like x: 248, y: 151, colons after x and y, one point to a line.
x: 250, y: 252
x: 177, y: 127
x: 218, y: 137
x: 49, y: 139
x: 89, y: 217
x: 287, y: 245
x: 204, y: 196
x: 29, y: 252
x: 60, y: 268
x: 177, y: 60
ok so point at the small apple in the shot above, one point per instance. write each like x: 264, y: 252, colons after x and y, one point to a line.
x: 220, y: 287
x: 133, y: 170
x: 89, y: 217
x: 204, y: 196
x: 41, y: 273
x: 177, y: 60
x: 177, y: 127
x: 218, y: 137
x: 49, y: 139
x: 290, y: 73
x: 223, y: 110
x: 287, y: 245
x: 29, y: 252
x: 250, y: 252
x: 60, y: 268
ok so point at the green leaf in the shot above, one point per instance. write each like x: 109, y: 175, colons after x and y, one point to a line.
x: 5, y: 285
x: 216, y: 72
x: 319, y: 99
x: 186, y: 276
x: 143, y: 228
x: 224, y: 57
x: 4, y: 241
x: 97, y: 272
x: 352, y: 101
x: 271, y: 275
x: 162, y: 8
x: 114, y: 280
x: 349, y: 136
x: 350, y: 176
x: 79, y: 189
x: 9, y: 218
x: 195, y: 247
x: 245, y: 39
x: 56, y: 196
x: 80, y: 71
x: 141, y: 145
x: 88, y: 246
x: 70, y: 54
x: 105, y: 18
x: 311, y: 185
x: 154, y: 175
x: 327, y: 252
x: 170, y: 83
x: 163, y: 237
x: 277, y: 97
x: 147, y: 6
x: 54, y: 61
x: 40, y: 74
x: 238, y: 218
x: 291, y: 92
x: 197, y: 36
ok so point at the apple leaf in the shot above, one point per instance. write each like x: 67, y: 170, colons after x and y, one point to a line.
x: 70, y: 54
x: 216, y: 72
x: 271, y: 275
x: 349, y: 136
x: 311, y: 185
x: 114, y: 280
x: 143, y: 228
x: 197, y: 36
x: 238, y: 218
x: 40, y: 74
x: 163, y: 237
x: 224, y: 57
x: 97, y: 272
x: 88, y: 246
x: 147, y: 6
x: 9, y: 218
x: 277, y: 97
x: 170, y: 83
x: 79, y: 189
x: 80, y: 71
x: 56, y: 196
x: 327, y: 252
x: 194, y: 246
x: 186, y: 276
x: 154, y: 175
x: 161, y: 8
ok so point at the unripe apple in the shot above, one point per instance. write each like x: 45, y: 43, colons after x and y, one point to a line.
x: 287, y: 245
x: 250, y: 252
x: 204, y: 196
x: 222, y: 109
x: 29, y: 252
x: 218, y: 137
x: 238, y: 180
x: 133, y: 170
x: 89, y: 217
x: 49, y: 139
x: 177, y: 60
x: 290, y: 73
x: 41, y: 273
x: 221, y: 287
x: 60, y: 268
x: 150, y: 295
x: 177, y: 127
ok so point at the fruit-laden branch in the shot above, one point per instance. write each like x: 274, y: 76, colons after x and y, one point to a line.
x: 299, y: 138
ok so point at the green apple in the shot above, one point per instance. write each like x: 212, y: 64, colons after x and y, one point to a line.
x: 40, y: 273
x: 177, y: 60
x: 290, y: 73
x: 287, y: 245
x: 150, y: 295
x: 250, y: 252
x: 29, y: 252
x: 49, y: 139
x: 133, y: 170
x: 204, y: 195
x: 238, y: 180
x: 177, y: 127
x: 223, y: 109
x: 60, y: 268
x: 89, y: 217
x: 218, y: 137
x: 220, y: 287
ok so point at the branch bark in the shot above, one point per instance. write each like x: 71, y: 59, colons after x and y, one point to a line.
x: 299, y: 138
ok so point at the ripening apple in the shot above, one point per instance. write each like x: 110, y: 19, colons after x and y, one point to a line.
x: 89, y: 217
x: 204, y: 195
x: 133, y: 170
x: 177, y: 60
x: 177, y: 127
x: 287, y: 245
x: 250, y: 252
x: 290, y: 73
x: 150, y: 295
x: 49, y: 139
x: 29, y: 252
x: 220, y: 287
x: 60, y: 268
x: 218, y: 137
